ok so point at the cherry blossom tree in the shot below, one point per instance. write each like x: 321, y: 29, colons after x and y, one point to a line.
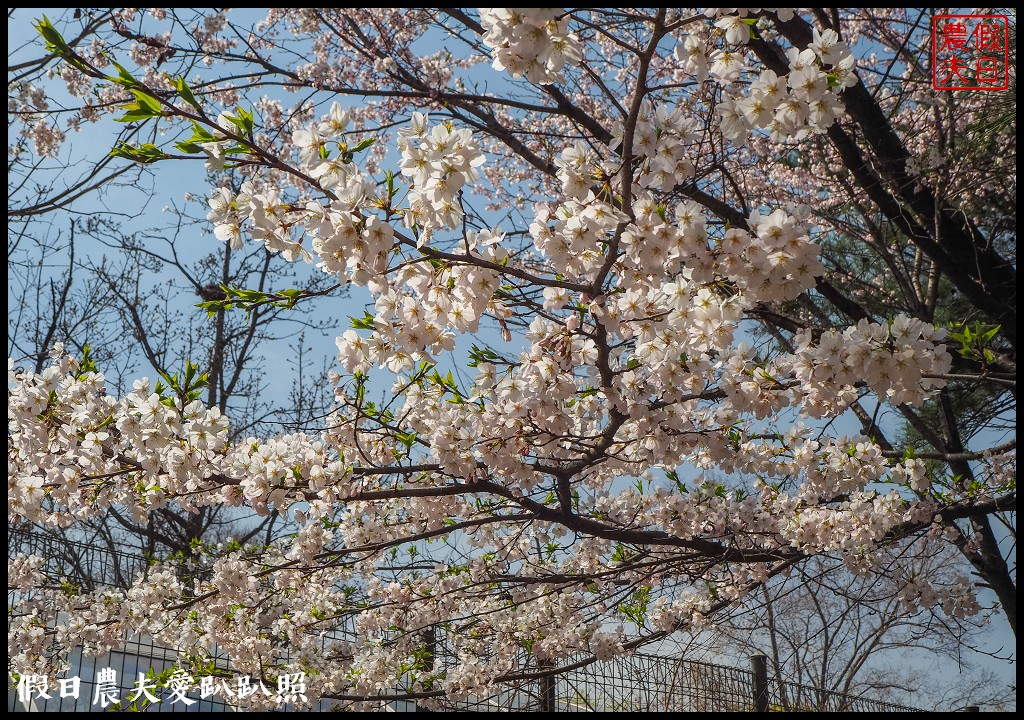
x: 609, y: 256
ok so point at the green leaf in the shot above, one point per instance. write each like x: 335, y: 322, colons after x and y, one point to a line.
x: 124, y: 77
x: 185, y: 92
x: 86, y: 365
x: 974, y: 341
x: 478, y: 355
x: 54, y: 40
x: 201, y: 134
x: 751, y: 23
x: 189, y: 148
x: 144, y: 108
x: 249, y: 300
x: 148, y: 101
x: 636, y: 608
x: 292, y: 296
x: 362, y: 145
x: 135, y: 115
x: 144, y: 154
x: 363, y: 323
x: 406, y: 438
x: 243, y: 120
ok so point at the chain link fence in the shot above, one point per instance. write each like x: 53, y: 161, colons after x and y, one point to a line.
x: 651, y: 683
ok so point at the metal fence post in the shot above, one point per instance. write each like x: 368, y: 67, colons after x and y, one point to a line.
x: 547, y: 686
x: 430, y: 657
x: 759, y: 669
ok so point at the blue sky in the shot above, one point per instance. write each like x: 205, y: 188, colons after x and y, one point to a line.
x: 169, y: 185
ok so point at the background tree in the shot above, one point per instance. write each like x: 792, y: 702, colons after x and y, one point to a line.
x: 84, y: 271
x: 827, y: 628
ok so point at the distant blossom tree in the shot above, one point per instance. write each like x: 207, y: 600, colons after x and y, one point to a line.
x: 826, y: 628
x: 666, y: 243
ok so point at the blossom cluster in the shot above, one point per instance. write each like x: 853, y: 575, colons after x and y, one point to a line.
x: 347, y: 238
x: 775, y: 261
x: 900, y: 360
x: 534, y: 42
x: 173, y: 447
x: 440, y: 161
x: 787, y: 107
